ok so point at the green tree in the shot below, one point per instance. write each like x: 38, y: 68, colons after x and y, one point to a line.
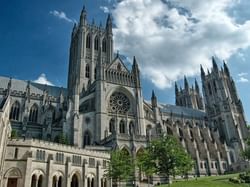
x: 146, y: 163
x: 120, y: 166
x: 62, y: 138
x: 246, y: 152
x: 167, y: 157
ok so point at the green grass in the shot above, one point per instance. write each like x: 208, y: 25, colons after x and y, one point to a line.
x: 214, y: 181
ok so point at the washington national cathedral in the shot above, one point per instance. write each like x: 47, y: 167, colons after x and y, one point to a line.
x: 103, y: 108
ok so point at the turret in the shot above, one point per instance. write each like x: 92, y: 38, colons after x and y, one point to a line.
x: 83, y: 17
x: 136, y: 73
x: 153, y: 100
x: 202, y: 73
x: 215, y: 67
x: 226, y: 70
x: 9, y: 87
x: 186, y: 86
x: 109, y: 24
x: 196, y: 86
x: 176, y: 89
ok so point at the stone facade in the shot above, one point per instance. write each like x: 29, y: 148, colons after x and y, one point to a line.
x: 103, y: 108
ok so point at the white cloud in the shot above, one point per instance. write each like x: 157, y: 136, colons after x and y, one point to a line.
x: 171, y: 38
x: 62, y: 15
x: 242, y: 74
x: 104, y: 9
x: 42, y: 79
x: 243, y: 79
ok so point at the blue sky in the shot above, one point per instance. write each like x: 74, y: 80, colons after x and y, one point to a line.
x: 169, y: 38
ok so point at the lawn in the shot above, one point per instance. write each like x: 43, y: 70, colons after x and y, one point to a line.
x: 216, y: 181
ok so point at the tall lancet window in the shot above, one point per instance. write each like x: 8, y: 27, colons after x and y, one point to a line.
x: 33, y: 114
x: 14, y: 111
x: 104, y: 45
x: 87, y: 71
x: 96, y: 43
x: 88, y: 41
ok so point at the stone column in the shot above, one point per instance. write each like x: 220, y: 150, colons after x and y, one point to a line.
x: 49, y: 170
x: 27, y: 179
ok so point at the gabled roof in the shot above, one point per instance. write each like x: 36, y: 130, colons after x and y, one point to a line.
x: 114, y: 64
x: 21, y: 85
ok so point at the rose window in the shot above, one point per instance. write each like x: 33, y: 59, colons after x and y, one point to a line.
x: 119, y: 103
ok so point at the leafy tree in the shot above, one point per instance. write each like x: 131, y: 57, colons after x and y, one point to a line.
x: 167, y: 157
x: 62, y: 138
x: 246, y: 152
x: 146, y: 163
x: 13, y: 134
x: 120, y: 166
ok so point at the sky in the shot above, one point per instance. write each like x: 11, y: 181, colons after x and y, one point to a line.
x: 170, y: 39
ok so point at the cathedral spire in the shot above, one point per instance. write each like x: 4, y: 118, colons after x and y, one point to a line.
x: 136, y: 72
x: 215, y: 66
x: 202, y: 73
x: 196, y: 86
x: 83, y: 17
x: 176, y: 89
x: 153, y: 99
x: 109, y: 24
x: 186, y: 86
x: 226, y: 70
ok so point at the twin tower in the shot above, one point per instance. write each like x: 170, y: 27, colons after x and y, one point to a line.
x: 221, y: 103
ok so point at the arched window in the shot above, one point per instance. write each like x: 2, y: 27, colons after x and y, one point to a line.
x: 148, y: 130
x: 33, y: 114
x: 104, y: 45
x: 112, y: 125
x: 60, y: 182
x: 33, y: 181
x: 74, y: 181
x: 131, y: 128
x: 88, y: 41
x: 87, y: 138
x: 40, y: 181
x: 169, y: 131
x: 54, y: 182
x: 122, y: 127
x: 209, y: 89
x: 96, y: 43
x: 180, y: 132
x: 87, y: 71
x: 14, y: 111
x: 95, y: 73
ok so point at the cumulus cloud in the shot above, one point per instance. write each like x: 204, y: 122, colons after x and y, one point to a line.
x: 242, y: 77
x: 171, y: 38
x: 104, y: 9
x: 61, y: 15
x: 42, y: 79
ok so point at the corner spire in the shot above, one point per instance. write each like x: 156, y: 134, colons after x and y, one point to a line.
x: 83, y: 17
x: 176, y: 89
x: 215, y: 67
x: 186, y: 86
x: 196, y: 86
x: 109, y: 24
x: 202, y: 73
x: 226, y: 70
x: 153, y: 99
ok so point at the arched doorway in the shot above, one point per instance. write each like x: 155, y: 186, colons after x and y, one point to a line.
x: 13, y: 176
x: 74, y: 181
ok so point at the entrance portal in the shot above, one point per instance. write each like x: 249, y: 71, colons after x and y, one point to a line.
x: 12, y: 182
